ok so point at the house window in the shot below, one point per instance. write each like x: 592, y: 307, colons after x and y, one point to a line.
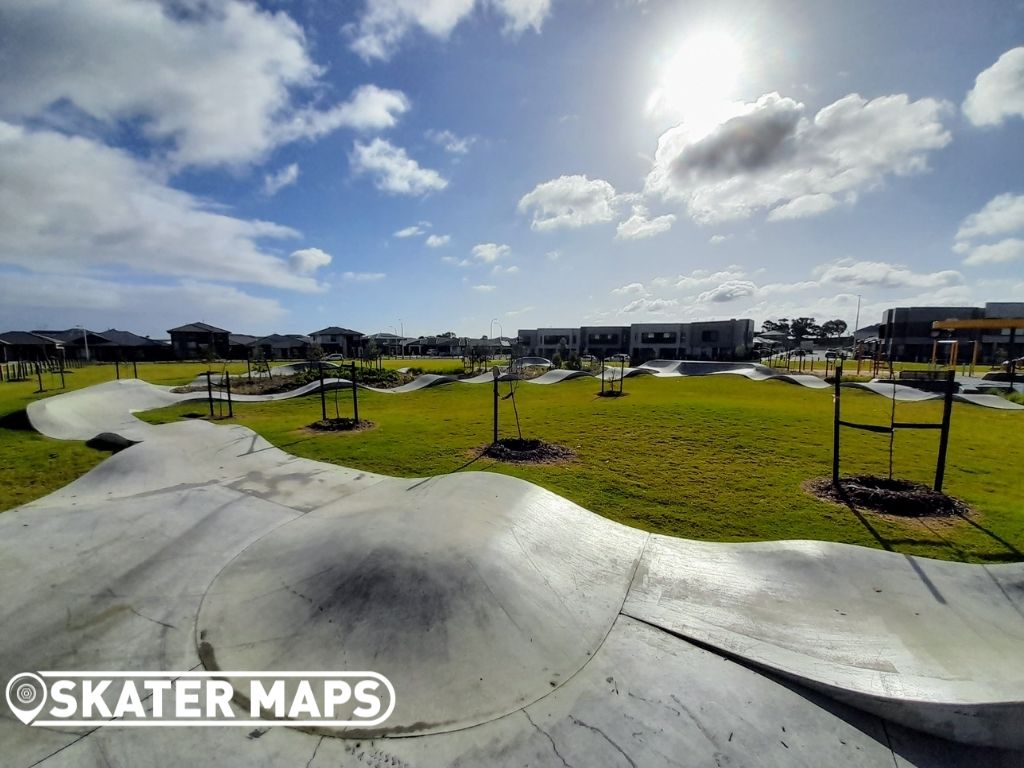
x: 709, y: 336
x: 658, y: 337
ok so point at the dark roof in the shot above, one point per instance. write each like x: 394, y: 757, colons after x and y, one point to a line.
x: 129, y: 339
x: 241, y: 338
x: 73, y: 336
x: 24, y: 338
x: 277, y: 340
x: 334, y: 330
x: 197, y: 328
x: 383, y: 337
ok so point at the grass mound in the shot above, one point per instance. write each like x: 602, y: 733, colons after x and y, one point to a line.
x: 889, y: 496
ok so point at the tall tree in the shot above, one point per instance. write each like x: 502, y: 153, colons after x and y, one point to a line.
x: 804, y: 326
x: 833, y: 327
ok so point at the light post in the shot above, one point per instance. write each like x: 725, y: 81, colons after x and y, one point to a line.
x: 501, y: 331
x: 85, y: 338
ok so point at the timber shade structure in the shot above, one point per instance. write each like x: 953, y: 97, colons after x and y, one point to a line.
x: 1013, y: 324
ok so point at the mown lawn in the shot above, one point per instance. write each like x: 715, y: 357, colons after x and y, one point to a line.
x: 32, y: 465
x: 717, y: 458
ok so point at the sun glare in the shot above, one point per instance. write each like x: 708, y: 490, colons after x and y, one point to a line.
x: 699, y: 77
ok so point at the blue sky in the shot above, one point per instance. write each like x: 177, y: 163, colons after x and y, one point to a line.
x: 431, y: 166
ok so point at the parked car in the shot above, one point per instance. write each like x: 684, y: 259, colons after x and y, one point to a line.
x: 334, y: 357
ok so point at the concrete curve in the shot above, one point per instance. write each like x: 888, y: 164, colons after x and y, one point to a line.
x: 904, y: 394
x: 929, y: 644
x: 559, y: 375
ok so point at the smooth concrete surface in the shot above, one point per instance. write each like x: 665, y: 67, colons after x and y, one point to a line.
x: 904, y: 394
x: 206, y: 537
x: 479, y: 608
x: 929, y: 644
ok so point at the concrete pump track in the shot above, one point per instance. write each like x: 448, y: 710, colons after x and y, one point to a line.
x: 517, y: 627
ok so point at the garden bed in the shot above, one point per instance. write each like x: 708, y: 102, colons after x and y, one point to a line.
x: 518, y: 451
x: 901, y: 498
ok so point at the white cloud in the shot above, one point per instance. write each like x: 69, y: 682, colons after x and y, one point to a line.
x: 880, y: 274
x: 456, y: 262
x: 998, y: 92
x: 553, y: 255
x: 635, y: 289
x: 363, y: 277
x: 640, y: 226
x: 772, y: 156
x: 438, y: 241
x: 718, y: 239
x: 452, y: 144
x: 1009, y: 249
x: 490, y: 252
x: 483, y: 288
x: 497, y: 269
x: 569, y: 201
x: 383, y: 24
x: 650, y: 306
x: 414, y: 230
x: 275, y: 182
x: 803, y: 207
x: 729, y: 291
x: 702, y: 278
x: 368, y: 108
x: 518, y: 312
x: 145, y: 308
x: 393, y: 171
x: 308, y: 260
x: 1001, y: 215
x: 217, y: 84
x: 69, y: 205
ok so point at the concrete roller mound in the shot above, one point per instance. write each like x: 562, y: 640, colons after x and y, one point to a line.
x: 904, y: 394
x: 482, y: 607
x: 598, y: 644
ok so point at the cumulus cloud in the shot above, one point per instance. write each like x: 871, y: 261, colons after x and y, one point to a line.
x: 275, y: 182
x: 880, y: 274
x: 702, y: 278
x: 414, y: 230
x: 308, y: 260
x: 384, y: 24
x: 569, y: 201
x: 1001, y: 215
x: 729, y: 291
x: 456, y: 262
x: 438, y: 241
x: 640, y: 225
x: 497, y: 269
x: 368, y: 109
x: 998, y: 92
x: 803, y: 207
x: 1009, y: 249
x: 392, y: 170
x: 718, y: 239
x: 218, y: 84
x: 483, y: 288
x: 363, y: 277
x: 451, y: 143
x: 490, y: 252
x: 650, y: 306
x: 635, y: 289
x: 72, y: 204
x: 771, y: 156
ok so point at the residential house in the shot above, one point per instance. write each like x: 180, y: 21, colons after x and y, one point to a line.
x: 337, y: 341
x: 197, y: 340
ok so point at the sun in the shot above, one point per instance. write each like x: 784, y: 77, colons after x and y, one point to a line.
x: 698, y: 77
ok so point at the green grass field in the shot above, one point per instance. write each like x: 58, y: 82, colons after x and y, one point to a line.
x: 717, y: 458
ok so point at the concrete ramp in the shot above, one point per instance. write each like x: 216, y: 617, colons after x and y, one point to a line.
x: 931, y: 645
x: 904, y: 394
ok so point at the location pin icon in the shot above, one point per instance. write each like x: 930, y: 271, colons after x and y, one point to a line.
x: 26, y: 695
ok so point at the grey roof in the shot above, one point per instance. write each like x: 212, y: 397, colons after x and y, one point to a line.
x: 73, y: 336
x: 278, y: 340
x: 197, y: 328
x: 241, y: 338
x: 129, y: 339
x: 334, y: 330
x: 24, y: 338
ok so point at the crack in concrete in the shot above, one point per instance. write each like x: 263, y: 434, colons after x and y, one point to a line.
x: 604, y: 736
x: 549, y: 738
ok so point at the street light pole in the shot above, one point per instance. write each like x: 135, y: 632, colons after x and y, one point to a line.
x: 85, y: 338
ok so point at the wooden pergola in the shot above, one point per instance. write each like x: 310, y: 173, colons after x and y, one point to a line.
x: 988, y: 324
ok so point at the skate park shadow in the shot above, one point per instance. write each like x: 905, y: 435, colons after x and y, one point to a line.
x: 16, y: 420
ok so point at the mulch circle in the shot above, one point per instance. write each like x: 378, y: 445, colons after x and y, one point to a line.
x: 902, y: 498
x: 340, y: 425
x: 518, y: 451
